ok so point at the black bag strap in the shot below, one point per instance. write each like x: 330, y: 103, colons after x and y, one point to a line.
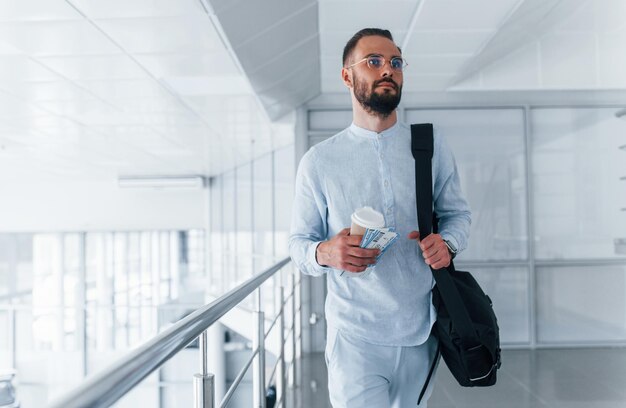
x: 422, y: 147
x: 430, y: 374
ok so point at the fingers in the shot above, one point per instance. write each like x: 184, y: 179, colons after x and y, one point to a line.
x: 431, y: 241
x: 363, y: 252
x: 438, y: 260
x: 435, y: 251
x: 444, y: 262
x: 414, y: 235
x: 349, y: 257
x: 354, y: 240
x: 345, y: 231
x: 356, y: 264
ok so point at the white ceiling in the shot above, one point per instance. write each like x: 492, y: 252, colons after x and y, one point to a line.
x: 437, y: 36
x: 93, y: 89
x: 460, y: 45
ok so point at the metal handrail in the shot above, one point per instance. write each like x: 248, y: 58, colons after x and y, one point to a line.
x: 109, y: 385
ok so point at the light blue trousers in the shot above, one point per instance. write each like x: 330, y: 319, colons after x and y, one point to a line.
x: 367, y: 375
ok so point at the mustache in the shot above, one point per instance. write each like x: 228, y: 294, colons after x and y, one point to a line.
x: 386, y: 80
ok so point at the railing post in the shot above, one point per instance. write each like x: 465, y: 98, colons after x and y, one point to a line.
x: 204, y: 397
x: 12, y: 338
x: 298, y: 328
x: 204, y: 383
x: 281, y: 384
x: 258, y: 371
x: 293, y: 383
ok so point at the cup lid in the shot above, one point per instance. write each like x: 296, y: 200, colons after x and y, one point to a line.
x: 368, y: 217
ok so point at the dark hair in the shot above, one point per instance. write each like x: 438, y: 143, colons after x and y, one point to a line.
x: 366, y: 32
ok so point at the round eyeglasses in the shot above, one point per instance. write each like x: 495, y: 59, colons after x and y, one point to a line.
x: 377, y: 62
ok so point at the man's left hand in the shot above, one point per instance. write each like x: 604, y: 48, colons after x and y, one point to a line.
x: 434, y: 250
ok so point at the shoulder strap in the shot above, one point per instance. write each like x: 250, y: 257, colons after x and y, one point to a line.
x: 422, y: 147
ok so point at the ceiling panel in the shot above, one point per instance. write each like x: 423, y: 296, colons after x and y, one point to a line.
x: 427, y: 82
x: 68, y: 132
x: 195, y: 138
x: 597, y: 16
x: 262, y: 38
x: 434, y: 64
x: 107, y: 94
x: 525, y: 23
x: 96, y: 9
x: 277, y: 70
x: 464, y: 15
x: 148, y: 105
x: 227, y: 114
x: 43, y: 122
x: 56, y: 38
x: 22, y: 68
x: 268, y: 47
x: 76, y: 108
x: 46, y: 91
x: 33, y: 10
x: 163, y: 35
x: 11, y: 139
x: 553, y: 44
x: 125, y: 89
x: 391, y: 15
x: 214, y: 63
x: 300, y: 81
x: 208, y: 85
x: 95, y: 67
x: 259, y: 17
x: 115, y: 118
x: 332, y: 42
x: 447, y: 42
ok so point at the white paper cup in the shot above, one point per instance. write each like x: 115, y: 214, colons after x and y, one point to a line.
x: 366, y: 217
x: 363, y: 218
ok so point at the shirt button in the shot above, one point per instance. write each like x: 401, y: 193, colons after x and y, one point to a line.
x: 386, y: 183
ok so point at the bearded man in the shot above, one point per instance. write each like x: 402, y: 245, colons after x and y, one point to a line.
x: 378, y: 345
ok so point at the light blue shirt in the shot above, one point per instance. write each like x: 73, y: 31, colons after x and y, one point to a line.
x: 356, y: 168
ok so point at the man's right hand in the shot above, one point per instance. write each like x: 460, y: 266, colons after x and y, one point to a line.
x: 343, y: 252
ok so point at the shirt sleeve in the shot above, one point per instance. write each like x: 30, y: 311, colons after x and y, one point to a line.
x: 450, y: 204
x: 308, y: 222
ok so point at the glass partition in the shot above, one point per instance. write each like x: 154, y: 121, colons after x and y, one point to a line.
x: 74, y: 301
x: 579, y: 181
x: 490, y: 152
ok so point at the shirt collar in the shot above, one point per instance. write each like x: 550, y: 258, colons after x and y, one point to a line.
x: 359, y: 131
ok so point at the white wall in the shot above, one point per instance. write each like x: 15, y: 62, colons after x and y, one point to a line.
x: 101, y: 205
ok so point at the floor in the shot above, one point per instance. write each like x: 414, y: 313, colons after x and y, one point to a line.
x: 547, y: 378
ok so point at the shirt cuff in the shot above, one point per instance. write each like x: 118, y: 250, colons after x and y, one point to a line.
x: 313, y: 259
x: 452, y: 240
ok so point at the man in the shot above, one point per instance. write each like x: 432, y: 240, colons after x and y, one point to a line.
x: 379, y: 348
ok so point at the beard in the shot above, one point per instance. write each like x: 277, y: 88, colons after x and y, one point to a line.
x: 378, y: 104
